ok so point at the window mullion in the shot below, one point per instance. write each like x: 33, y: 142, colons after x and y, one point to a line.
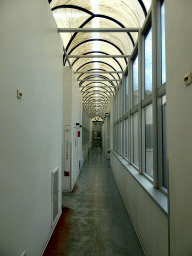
x: 140, y: 59
x: 128, y: 110
x: 154, y: 93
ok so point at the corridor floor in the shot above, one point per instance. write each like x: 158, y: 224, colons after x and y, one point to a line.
x: 100, y: 225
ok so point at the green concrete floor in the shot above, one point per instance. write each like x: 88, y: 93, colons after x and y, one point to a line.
x: 100, y: 225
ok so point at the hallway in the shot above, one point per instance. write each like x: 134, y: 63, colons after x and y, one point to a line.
x: 100, y: 223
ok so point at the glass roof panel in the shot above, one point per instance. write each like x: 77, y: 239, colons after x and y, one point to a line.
x: 120, y: 40
x: 69, y: 18
x: 129, y: 11
x: 99, y: 14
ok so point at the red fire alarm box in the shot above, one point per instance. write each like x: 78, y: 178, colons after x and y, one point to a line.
x: 79, y: 135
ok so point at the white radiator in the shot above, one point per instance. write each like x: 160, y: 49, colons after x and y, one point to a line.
x: 55, y: 195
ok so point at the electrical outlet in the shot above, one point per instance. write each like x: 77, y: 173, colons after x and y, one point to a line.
x: 24, y: 253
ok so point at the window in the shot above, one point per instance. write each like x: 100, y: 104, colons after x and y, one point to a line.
x: 121, y: 137
x: 120, y: 101
x: 148, y: 140
x: 163, y: 65
x: 148, y: 62
x: 126, y: 136
x: 135, y: 141
x: 135, y: 96
x: 164, y: 142
x: 114, y: 109
x: 136, y: 137
x: 117, y: 109
x: 115, y: 137
x: 126, y: 93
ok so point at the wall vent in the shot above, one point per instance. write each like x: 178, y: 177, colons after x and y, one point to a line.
x: 55, y: 195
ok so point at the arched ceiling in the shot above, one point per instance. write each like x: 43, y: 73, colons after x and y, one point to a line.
x: 98, y: 38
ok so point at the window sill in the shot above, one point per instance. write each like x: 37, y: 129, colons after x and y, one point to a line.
x: 156, y: 194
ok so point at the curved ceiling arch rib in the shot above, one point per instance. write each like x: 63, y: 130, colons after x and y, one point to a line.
x: 89, y: 19
x: 117, y: 22
x: 98, y: 70
x: 91, y: 89
x: 143, y: 7
x: 105, y: 86
x: 72, y: 7
x: 94, y: 40
x: 59, y: 6
x: 99, y: 59
x: 103, y: 54
x: 98, y: 62
x: 113, y: 86
x: 105, y: 79
x: 92, y: 93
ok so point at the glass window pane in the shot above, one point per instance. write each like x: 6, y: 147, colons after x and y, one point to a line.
x: 120, y: 102
x: 148, y: 140
x: 121, y: 134
x: 135, y: 82
x: 148, y: 63
x: 164, y: 142
x: 135, y: 139
x: 125, y: 138
x: 163, y: 72
x: 126, y: 93
x: 114, y: 119
x: 117, y: 102
x: 119, y: 138
x: 114, y: 138
x: 127, y: 141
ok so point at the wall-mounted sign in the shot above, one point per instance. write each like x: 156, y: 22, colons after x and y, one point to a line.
x: 67, y: 150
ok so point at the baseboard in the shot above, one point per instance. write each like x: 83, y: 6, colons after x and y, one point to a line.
x: 52, y: 230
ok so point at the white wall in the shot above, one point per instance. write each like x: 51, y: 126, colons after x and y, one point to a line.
x: 150, y: 222
x: 87, y: 124
x: 106, y: 133
x: 179, y: 124
x: 31, y: 135
x: 72, y: 114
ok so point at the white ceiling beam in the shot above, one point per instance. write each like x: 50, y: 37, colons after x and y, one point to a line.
x: 95, y: 86
x: 100, y: 30
x: 98, y: 56
x: 98, y: 72
x: 100, y: 80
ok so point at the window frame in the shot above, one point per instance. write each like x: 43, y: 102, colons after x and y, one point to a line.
x: 125, y: 113
x: 145, y: 34
x: 135, y: 56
